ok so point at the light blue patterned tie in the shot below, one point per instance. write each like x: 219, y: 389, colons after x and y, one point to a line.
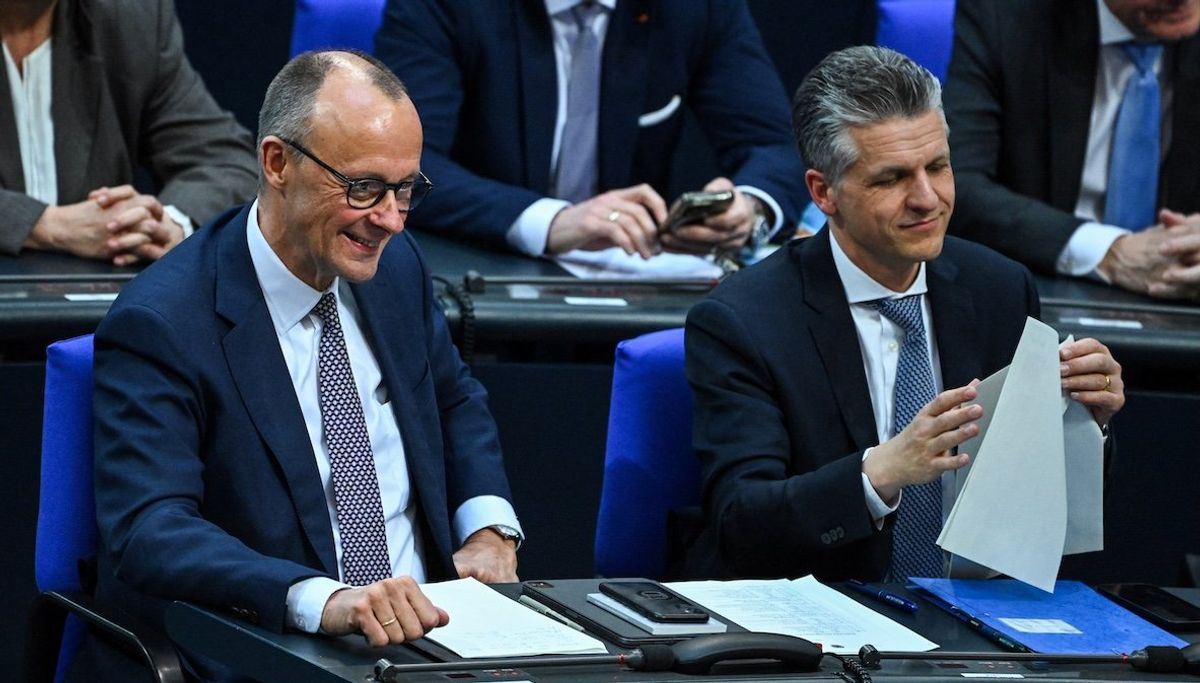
x: 352, y: 465
x: 575, y: 177
x: 919, y: 519
x: 1132, y: 193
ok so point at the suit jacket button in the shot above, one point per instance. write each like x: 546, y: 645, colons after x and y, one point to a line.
x: 825, y: 538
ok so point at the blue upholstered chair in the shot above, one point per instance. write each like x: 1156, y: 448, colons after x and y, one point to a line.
x: 921, y: 29
x: 67, y: 533
x: 323, y: 24
x: 649, y: 466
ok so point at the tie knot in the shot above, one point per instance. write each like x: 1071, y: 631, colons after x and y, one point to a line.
x: 584, y: 12
x: 905, y: 312
x: 326, y: 308
x: 1143, y: 55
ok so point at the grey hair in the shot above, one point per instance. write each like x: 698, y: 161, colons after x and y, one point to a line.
x: 857, y: 86
x: 288, y: 105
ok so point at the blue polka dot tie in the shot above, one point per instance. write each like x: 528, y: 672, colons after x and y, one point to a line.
x: 352, y: 465
x: 1132, y: 193
x: 919, y: 519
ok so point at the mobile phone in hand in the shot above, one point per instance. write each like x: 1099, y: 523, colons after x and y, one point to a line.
x: 694, y: 207
x: 654, y: 601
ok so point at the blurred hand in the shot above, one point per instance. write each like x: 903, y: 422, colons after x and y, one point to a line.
x: 726, y: 231
x: 1161, y: 261
x: 627, y: 218
x: 389, y: 611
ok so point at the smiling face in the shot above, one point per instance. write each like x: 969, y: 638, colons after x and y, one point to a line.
x: 890, y: 209
x: 362, y: 133
x: 1164, y: 20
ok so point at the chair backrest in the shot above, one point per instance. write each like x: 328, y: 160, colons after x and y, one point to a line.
x: 921, y: 29
x: 321, y: 24
x: 66, y: 529
x: 649, y: 466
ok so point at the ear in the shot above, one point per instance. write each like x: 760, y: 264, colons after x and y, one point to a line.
x: 272, y: 154
x: 823, y: 194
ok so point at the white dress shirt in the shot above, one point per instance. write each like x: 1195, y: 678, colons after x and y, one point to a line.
x: 290, y: 302
x: 879, y: 340
x: 528, y: 234
x: 30, y: 87
x: 1092, y: 240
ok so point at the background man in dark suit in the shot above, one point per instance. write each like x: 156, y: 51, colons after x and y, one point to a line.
x: 283, y: 427
x: 1034, y: 95
x: 90, y: 90
x: 801, y: 377
x: 496, y: 84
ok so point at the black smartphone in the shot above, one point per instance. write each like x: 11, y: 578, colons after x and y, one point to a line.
x: 694, y: 207
x: 654, y: 601
x: 1154, y: 604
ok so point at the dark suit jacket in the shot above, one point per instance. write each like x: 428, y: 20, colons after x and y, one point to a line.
x: 206, y: 485
x: 1019, y: 99
x: 783, y: 413
x: 482, y: 75
x: 124, y: 95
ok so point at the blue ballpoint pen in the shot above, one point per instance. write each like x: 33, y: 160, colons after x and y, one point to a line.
x: 883, y: 596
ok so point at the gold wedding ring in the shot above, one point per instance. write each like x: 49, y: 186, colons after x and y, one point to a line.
x: 387, y: 623
x: 614, y: 215
x: 1107, y: 382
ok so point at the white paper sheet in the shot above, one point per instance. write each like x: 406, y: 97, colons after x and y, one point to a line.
x: 484, y: 623
x: 805, y: 608
x: 614, y: 262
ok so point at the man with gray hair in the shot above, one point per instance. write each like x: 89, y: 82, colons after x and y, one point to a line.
x: 829, y: 379
x: 284, y: 430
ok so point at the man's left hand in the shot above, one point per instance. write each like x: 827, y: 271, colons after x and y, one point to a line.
x: 1093, y: 377
x: 487, y: 557
x: 725, y: 231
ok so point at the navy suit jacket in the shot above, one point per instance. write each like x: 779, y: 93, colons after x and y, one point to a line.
x: 783, y: 413
x: 206, y: 484
x: 1019, y: 99
x: 482, y: 74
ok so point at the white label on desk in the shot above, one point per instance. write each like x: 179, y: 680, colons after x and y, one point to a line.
x: 595, y: 301
x: 1041, y: 626
x: 110, y: 296
x: 1106, y: 322
x: 989, y: 675
x: 523, y: 292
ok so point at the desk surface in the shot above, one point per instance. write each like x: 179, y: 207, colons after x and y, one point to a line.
x: 255, y: 652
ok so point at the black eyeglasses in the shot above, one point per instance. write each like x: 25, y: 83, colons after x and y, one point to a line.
x: 364, y: 193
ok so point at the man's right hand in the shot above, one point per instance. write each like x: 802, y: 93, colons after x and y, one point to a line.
x: 921, y: 452
x: 389, y: 611
x: 1159, y: 261
x: 626, y: 218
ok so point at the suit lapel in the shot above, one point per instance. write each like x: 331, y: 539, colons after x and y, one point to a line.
x: 623, y: 79
x: 955, y: 324
x: 834, y: 335
x: 1181, y: 179
x: 390, y: 339
x: 12, y: 176
x: 1070, y: 89
x: 261, y: 376
x: 539, y: 89
x: 77, y: 91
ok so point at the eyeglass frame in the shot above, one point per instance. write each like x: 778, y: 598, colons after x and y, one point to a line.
x: 413, y: 198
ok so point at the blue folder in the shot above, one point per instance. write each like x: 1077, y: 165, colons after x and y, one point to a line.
x: 1074, y: 619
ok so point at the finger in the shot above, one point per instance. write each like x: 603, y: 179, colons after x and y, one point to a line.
x: 126, y: 242
x: 126, y: 219
x: 127, y: 259
x: 948, y: 462
x: 107, y: 196
x: 718, y: 184
x: 949, y: 399
x: 645, y: 196
x: 932, y: 428
x: 1183, y: 242
x: 1181, y: 276
x: 634, y: 221
x: 1168, y: 217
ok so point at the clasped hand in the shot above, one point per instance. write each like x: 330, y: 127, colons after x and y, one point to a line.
x: 115, y: 223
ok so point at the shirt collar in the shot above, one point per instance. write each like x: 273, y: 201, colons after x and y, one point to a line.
x: 860, y: 287
x: 1112, y: 31
x: 289, y: 299
x: 554, y: 7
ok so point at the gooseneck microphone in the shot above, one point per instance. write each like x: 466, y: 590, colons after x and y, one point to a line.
x: 1153, y: 658
x: 645, y: 658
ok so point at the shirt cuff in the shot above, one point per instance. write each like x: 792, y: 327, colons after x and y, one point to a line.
x: 875, y: 504
x: 529, y: 233
x: 481, y: 512
x: 182, y: 219
x: 771, y: 203
x: 306, y: 602
x: 1086, y: 249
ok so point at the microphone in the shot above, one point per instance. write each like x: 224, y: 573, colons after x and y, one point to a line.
x: 693, y: 656
x: 1153, y: 658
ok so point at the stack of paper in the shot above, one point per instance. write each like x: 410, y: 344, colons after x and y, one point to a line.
x: 804, y: 608
x: 484, y: 623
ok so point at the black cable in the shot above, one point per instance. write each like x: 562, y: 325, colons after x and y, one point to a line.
x: 852, y: 669
x: 466, y: 316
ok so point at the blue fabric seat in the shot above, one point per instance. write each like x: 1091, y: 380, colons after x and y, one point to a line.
x: 321, y: 24
x: 921, y: 29
x: 649, y: 466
